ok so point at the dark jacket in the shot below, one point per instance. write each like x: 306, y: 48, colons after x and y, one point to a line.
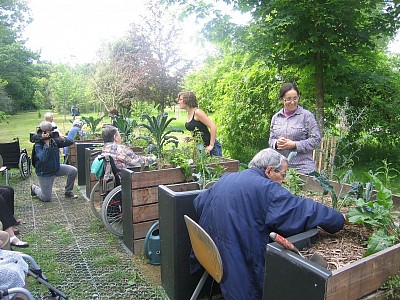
x: 48, y: 156
x: 240, y: 211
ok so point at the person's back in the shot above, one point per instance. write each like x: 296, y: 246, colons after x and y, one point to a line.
x: 241, y: 209
x: 75, y: 130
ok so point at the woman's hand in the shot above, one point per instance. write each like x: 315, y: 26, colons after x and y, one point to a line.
x: 209, y: 149
x: 285, y: 144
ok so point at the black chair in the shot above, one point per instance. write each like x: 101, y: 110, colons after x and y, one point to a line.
x: 15, y: 157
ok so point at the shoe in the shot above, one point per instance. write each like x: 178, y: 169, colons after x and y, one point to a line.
x: 32, y: 191
x: 19, y: 244
x: 70, y: 195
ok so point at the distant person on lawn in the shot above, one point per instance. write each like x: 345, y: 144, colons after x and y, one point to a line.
x: 76, y: 130
x: 48, y: 166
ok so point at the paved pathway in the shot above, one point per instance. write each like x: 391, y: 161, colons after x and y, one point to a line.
x: 65, y: 233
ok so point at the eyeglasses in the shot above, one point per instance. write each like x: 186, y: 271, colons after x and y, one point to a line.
x: 282, y: 174
x: 291, y: 99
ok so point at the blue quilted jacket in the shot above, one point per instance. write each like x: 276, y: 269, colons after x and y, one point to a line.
x: 240, y: 211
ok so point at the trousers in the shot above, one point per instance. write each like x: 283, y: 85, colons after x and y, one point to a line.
x: 45, y: 191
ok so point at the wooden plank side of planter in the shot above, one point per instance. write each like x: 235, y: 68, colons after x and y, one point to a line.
x: 144, y: 196
x: 156, y: 177
x: 140, y: 229
x: 310, y: 184
x: 72, y: 155
x: 144, y: 213
x: 363, y: 276
x: 231, y: 165
x: 72, y: 150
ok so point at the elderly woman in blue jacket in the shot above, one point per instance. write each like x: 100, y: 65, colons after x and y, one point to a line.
x: 48, y: 165
x: 240, y: 211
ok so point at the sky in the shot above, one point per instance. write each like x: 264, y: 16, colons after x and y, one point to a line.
x: 71, y: 31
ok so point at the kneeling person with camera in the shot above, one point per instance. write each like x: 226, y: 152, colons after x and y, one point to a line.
x: 48, y: 166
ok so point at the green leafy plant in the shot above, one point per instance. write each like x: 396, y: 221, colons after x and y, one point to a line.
x: 387, y: 171
x: 204, y: 173
x: 125, y: 126
x: 92, y: 124
x: 392, y: 287
x: 338, y: 198
x: 194, y: 162
x: 293, y: 182
x: 159, y: 136
x: 376, y: 212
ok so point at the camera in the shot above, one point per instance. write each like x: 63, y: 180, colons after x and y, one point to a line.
x: 37, y: 137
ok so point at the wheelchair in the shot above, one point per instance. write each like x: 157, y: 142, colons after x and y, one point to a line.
x: 36, y: 272
x: 106, y: 196
x: 12, y: 156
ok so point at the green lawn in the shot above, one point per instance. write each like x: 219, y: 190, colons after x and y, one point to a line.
x: 19, y: 125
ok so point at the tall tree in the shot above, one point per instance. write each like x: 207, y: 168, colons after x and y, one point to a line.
x: 146, y: 65
x: 16, y: 61
x: 320, y: 35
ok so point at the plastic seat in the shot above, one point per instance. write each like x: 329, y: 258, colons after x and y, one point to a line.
x: 206, y: 253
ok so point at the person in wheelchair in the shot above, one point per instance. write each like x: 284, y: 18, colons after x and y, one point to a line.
x: 123, y: 156
x: 48, y: 165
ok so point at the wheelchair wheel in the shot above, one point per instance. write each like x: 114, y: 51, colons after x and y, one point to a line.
x: 111, y: 211
x: 96, y: 200
x: 24, y: 165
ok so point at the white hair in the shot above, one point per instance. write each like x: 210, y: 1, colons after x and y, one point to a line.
x: 268, y: 158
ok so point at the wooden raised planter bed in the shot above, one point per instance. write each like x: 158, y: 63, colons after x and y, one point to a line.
x: 72, y: 150
x: 288, y: 273
x: 140, y: 199
x: 288, y: 276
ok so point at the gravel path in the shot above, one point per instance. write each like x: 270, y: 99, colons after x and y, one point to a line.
x: 87, y: 261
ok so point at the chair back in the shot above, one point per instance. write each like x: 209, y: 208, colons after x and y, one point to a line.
x: 10, y: 152
x: 205, y: 249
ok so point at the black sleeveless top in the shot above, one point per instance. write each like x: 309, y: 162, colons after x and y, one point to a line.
x: 193, y: 124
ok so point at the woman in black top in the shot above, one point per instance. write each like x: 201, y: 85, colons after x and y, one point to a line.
x: 198, y: 120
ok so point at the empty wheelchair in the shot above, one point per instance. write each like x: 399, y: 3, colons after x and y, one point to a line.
x: 14, y: 157
x: 106, y: 195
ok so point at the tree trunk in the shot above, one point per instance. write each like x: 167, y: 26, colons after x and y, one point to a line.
x: 319, y: 94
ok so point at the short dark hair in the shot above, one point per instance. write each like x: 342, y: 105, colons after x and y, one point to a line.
x: 109, y: 133
x: 286, y: 87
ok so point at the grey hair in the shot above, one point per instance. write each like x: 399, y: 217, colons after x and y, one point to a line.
x: 48, y: 115
x: 268, y: 158
x: 109, y: 133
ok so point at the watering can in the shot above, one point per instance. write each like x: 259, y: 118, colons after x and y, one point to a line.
x: 152, y: 244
